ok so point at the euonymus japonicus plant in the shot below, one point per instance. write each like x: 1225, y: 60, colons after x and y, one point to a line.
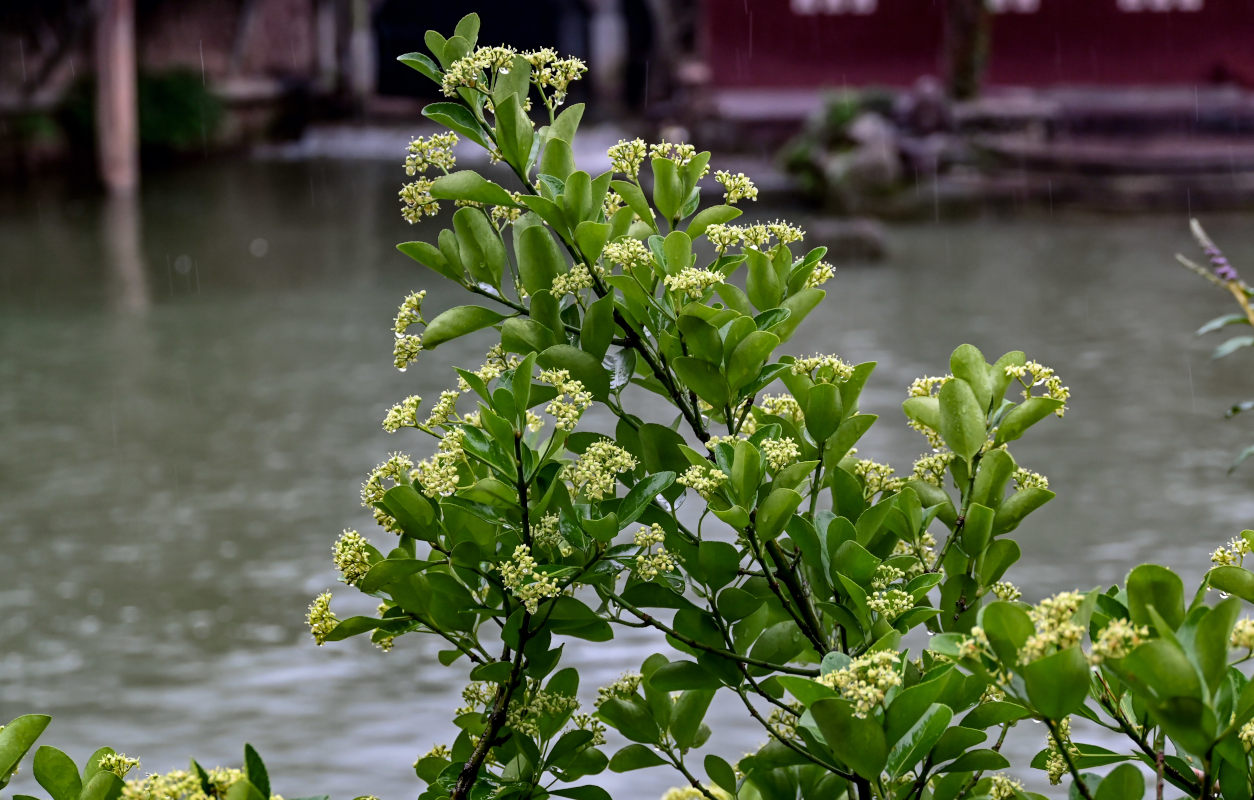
x: 636, y: 450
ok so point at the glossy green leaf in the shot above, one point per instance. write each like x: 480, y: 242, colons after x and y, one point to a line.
x: 775, y: 511
x: 1024, y: 416
x: 711, y: 215
x: 633, y: 757
x: 17, y: 737
x: 641, y: 495
x: 967, y: 363
x: 107, y: 786
x: 1234, y: 580
x: 961, y: 419
x: 1124, y: 782
x: 457, y: 117
x: 915, y: 743
x: 704, y: 378
x: 57, y: 773
x: 631, y: 718
x: 469, y: 185
x: 1154, y: 585
x: 856, y: 741
x: 1058, y: 684
x: 456, y: 322
x: 255, y: 771
x: 583, y: 367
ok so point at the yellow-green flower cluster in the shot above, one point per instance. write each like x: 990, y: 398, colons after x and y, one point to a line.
x: 1007, y: 591
x: 417, y: 202
x: 625, y: 686
x: 1056, y: 762
x: 626, y: 157
x: 320, y: 619
x: 182, y: 785
x: 443, y: 409
x: 736, y: 187
x: 678, y: 152
x: 780, y: 453
x: 1002, y: 787
x: 587, y: 722
x: 973, y: 644
x: 576, y: 279
x: 467, y: 71
x: 627, y: 252
x: 1247, y: 735
x: 1243, y: 634
x: 1233, y: 554
x: 553, y: 73
x: 1026, y: 479
x: 784, y: 406
x: 716, y: 440
x: 1055, y: 629
x: 395, y: 469
x: 409, y: 313
x: 876, y: 477
x: 1117, y: 639
x: 524, y: 716
x: 403, y: 415
x: 438, y: 475
x: 705, y: 481
x: 405, y: 351
x: 823, y: 272
x: 866, y: 680
x: 723, y: 236
x: 350, y: 556
x: 547, y: 533
x: 693, y: 793
x: 438, y: 751
x: 571, y: 401
x: 931, y: 467
x: 785, y: 232
x: 475, y: 696
x: 822, y: 368
x: 886, y: 575
x: 117, y: 763
x: 431, y: 151
x: 927, y: 386
x: 529, y: 585
x: 596, y: 472
x: 1033, y: 374
x: 891, y: 603
x: 693, y: 281
x: 650, y: 563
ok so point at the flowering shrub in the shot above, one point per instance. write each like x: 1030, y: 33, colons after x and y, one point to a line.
x: 736, y: 517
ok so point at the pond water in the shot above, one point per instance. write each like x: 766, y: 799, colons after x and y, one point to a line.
x: 188, y: 403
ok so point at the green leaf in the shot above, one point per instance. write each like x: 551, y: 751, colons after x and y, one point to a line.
x: 1017, y: 506
x: 457, y: 117
x: 1007, y: 627
x: 641, y: 495
x: 567, y: 123
x: 243, y: 789
x: 747, y: 359
x: 713, y: 215
x: 1058, y: 684
x: 456, y: 322
x: 255, y: 771
x: 686, y: 719
x: 923, y: 410
x: 977, y: 761
x: 1154, y: 585
x: 977, y: 530
x: 630, y: 717
x: 107, y: 786
x: 582, y: 366
x: 468, y: 28
x: 967, y: 363
x: 762, y: 284
x: 514, y: 134
x: 467, y: 184
x: 667, y: 189
x: 857, y: 742
x: 430, y: 256
x: 558, y: 159
x: 57, y: 773
x: 799, y: 305
x: 1124, y: 782
x: 1234, y: 580
x: 704, y: 378
x: 717, y: 562
x: 961, y: 419
x: 721, y: 773
x: 590, y: 239
x: 774, y: 512
x: 1210, y: 643
x: 1024, y: 416
x: 918, y: 740
x: 635, y: 756
x: 16, y: 738
x: 682, y: 675
x: 412, y: 511
x: 423, y: 64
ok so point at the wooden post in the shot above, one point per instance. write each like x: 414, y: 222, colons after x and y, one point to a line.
x: 326, y: 42
x: 117, y: 105
x: 607, y: 47
x: 362, y: 57
x: 967, y: 29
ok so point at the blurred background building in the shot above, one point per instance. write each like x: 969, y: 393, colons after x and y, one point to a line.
x: 1051, y: 86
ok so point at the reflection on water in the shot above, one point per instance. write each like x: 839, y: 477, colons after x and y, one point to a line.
x: 171, y: 481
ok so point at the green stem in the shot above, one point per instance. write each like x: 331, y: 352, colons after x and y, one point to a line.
x: 652, y: 621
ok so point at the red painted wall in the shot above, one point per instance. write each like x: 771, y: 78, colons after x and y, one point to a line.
x: 767, y: 43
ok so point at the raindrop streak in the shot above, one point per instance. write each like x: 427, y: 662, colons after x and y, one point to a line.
x: 201, y: 44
